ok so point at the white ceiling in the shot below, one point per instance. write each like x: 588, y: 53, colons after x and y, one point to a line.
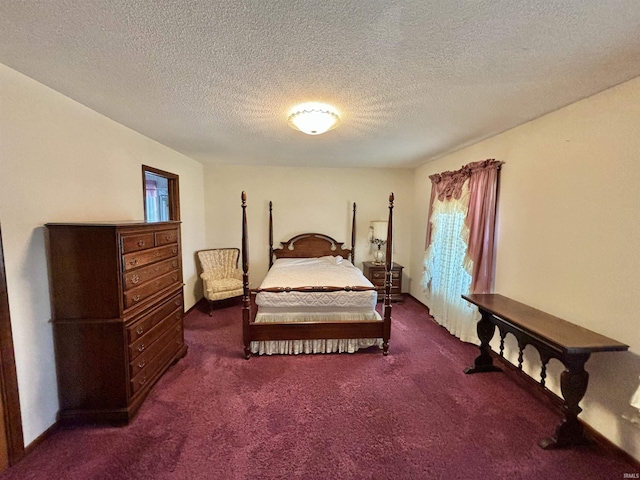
x: 414, y: 79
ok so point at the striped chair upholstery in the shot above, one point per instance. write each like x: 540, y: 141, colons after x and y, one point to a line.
x: 220, y: 274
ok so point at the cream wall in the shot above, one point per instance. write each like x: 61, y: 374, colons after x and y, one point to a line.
x: 305, y: 200
x: 61, y: 161
x: 568, y: 236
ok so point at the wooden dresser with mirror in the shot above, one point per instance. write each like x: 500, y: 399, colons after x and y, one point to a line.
x: 117, y: 307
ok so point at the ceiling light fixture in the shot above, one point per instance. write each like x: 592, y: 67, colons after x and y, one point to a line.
x: 313, y: 118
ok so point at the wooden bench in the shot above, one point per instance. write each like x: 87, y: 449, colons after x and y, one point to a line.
x: 553, y: 338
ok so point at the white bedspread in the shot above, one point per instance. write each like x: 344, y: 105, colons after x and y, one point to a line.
x: 315, y: 306
x: 314, y: 272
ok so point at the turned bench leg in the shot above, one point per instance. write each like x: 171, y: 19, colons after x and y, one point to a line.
x: 484, y: 362
x: 573, y: 384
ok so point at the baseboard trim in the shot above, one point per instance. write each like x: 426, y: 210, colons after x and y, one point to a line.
x: 204, y: 306
x: 608, y: 445
x: 41, y: 438
x: 417, y: 301
x: 198, y: 305
x: 555, y: 402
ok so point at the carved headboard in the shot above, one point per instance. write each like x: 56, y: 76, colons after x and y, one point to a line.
x: 308, y: 245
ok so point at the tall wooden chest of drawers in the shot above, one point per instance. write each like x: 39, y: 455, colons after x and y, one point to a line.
x: 375, y: 274
x: 117, y: 307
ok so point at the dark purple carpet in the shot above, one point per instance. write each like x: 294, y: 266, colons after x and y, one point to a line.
x: 411, y: 415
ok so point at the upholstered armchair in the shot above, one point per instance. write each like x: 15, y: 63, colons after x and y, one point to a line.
x: 220, y: 274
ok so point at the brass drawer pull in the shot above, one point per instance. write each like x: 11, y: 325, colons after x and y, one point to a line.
x: 135, y: 279
x: 141, y: 243
x: 133, y: 262
x: 136, y: 298
x: 141, y: 347
x: 143, y: 380
x: 174, y: 250
x: 175, y: 278
x: 167, y: 237
x: 139, y: 330
x: 174, y: 264
x: 178, y: 302
x: 142, y: 364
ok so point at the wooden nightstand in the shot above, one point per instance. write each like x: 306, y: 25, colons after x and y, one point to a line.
x: 375, y: 273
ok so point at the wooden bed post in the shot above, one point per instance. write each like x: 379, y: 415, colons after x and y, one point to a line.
x: 353, y: 235
x: 270, y: 234
x: 246, y: 294
x: 388, y: 280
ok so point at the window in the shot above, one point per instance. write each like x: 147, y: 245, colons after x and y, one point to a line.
x: 445, y: 276
x: 161, y: 195
x: 460, y: 244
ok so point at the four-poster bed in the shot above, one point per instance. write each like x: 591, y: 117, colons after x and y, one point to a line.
x: 313, y: 299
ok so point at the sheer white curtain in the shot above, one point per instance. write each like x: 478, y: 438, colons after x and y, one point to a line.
x: 446, y: 270
x: 460, y: 243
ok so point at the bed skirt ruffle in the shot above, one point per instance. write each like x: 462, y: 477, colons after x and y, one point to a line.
x: 295, y: 347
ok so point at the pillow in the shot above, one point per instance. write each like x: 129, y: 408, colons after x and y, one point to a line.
x: 333, y: 260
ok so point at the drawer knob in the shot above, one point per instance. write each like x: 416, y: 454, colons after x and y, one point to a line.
x: 136, y: 298
x: 134, y: 261
x: 141, y: 347
x: 178, y: 302
x: 167, y: 237
x: 178, y: 328
x: 174, y: 264
x: 135, y: 279
x: 143, y: 380
x: 175, y: 278
x: 142, y: 364
x: 139, y: 330
x: 174, y: 250
x: 141, y: 243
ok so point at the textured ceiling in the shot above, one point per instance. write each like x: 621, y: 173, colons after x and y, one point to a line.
x: 414, y: 79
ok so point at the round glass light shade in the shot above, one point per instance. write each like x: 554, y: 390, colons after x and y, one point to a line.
x: 313, y: 118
